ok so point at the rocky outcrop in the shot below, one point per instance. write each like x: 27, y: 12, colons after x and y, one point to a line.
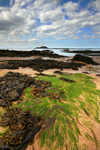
x: 40, y: 64
x: 84, y: 59
x: 13, y: 53
x: 41, y: 47
x: 66, y: 50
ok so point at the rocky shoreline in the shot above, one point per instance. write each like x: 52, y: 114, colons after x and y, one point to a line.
x: 14, y: 53
x: 84, y: 52
x: 13, y: 84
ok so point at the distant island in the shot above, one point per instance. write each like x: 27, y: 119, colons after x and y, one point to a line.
x: 41, y: 47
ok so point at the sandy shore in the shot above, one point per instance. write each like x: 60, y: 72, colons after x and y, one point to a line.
x: 91, y: 69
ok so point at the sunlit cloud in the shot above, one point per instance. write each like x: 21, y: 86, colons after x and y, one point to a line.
x: 48, y: 18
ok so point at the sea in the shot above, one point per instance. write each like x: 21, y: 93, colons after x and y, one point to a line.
x: 60, y: 51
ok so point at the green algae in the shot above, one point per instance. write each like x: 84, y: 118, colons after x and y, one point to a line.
x: 61, y: 117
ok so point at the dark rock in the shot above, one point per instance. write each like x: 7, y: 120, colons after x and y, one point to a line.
x: 41, y: 47
x: 86, y: 52
x: 12, y: 86
x: 98, y: 75
x: 12, y: 95
x: 68, y: 80
x: 13, y: 53
x: 23, y: 126
x: 40, y: 64
x: 58, y: 72
x: 84, y: 59
x: 66, y: 50
x: 42, y: 74
x: 86, y: 72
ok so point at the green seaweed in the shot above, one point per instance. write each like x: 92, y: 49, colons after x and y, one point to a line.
x: 62, y: 128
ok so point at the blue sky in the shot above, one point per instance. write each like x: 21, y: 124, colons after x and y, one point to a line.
x: 53, y: 23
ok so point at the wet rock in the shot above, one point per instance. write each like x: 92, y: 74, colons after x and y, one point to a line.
x: 66, y: 50
x: 39, y: 89
x: 12, y: 95
x: 40, y: 64
x: 43, y: 74
x: 2, y: 147
x: 68, y: 80
x: 86, y: 72
x: 84, y: 59
x: 40, y: 74
x: 86, y: 52
x: 23, y: 126
x: 12, y: 86
x: 42, y: 83
x: 98, y: 75
x: 58, y: 72
x: 13, y: 53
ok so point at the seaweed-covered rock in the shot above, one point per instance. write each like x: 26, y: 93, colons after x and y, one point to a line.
x: 14, y: 53
x: 12, y: 86
x: 23, y: 126
x: 84, y: 59
x: 68, y: 80
x: 40, y: 64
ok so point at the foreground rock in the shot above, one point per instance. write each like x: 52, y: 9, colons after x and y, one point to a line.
x: 23, y: 126
x: 12, y: 86
x: 84, y: 59
x: 40, y: 64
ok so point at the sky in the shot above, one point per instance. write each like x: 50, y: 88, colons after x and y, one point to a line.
x: 51, y: 23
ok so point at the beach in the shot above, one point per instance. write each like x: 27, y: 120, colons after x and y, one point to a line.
x: 88, y: 69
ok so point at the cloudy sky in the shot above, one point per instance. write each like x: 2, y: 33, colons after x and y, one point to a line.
x: 53, y: 23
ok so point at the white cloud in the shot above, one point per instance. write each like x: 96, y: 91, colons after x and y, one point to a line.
x: 79, y: 31
x: 45, y: 4
x: 70, y: 6
x: 82, y: 14
x: 51, y: 15
x: 60, y: 22
x: 92, y: 20
x: 32, y: 40
x: 16, y: 20
x: 11, y: 2
x: 69, y: 28
x: 95, y: 5
x: 85, y: 36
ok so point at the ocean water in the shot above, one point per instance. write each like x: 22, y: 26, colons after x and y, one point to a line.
x: 60, y: 50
